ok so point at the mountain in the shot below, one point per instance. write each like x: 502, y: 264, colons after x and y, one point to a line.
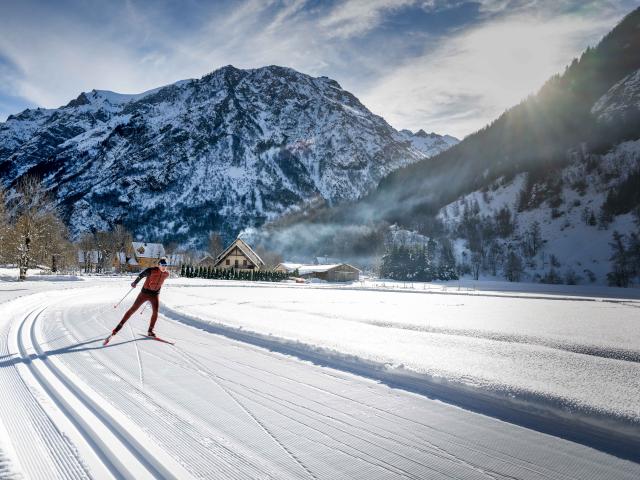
x: 535, y: 135
x: 563, y: 166
x: 429, y: 143
x: 227, y: 151
x: 621, y: 103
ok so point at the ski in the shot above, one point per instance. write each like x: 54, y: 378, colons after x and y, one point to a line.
x: 158, y: 339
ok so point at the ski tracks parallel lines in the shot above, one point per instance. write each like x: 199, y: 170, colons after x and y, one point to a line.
x: 42, y: 449
x: 365, y: 456
x: 262, y: 426
x: 429, y: 447
x: 177, y: 434
x: 119, y: 449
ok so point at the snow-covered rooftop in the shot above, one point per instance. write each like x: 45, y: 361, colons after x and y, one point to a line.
x: 304, y: 269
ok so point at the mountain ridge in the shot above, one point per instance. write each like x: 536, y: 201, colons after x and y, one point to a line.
x: 221, y: 153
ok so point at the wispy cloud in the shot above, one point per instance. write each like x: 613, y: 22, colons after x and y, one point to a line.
x: 355, y: 17
x: 445, y: 65
x: 472, y: 77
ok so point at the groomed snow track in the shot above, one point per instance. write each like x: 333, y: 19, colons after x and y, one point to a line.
x: 213, y: 407
x: 108, y: 443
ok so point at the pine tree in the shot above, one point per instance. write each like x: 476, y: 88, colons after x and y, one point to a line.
x: 513, y: 267
x: 620, y: 261
x: 431, y: 270
x: 505, y: 222
x: 447, y: 262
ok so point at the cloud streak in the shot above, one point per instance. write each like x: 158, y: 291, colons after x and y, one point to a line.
x: 435, y: 64
x: 471, y: 77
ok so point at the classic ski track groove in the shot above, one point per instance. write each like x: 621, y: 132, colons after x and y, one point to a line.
x: 140, y: 369
x: 165, y: 430
x: 112, y: 442
x: 429, y: 445
x: 204, y: 371
x: 400, y: 452
x: 38, y: 459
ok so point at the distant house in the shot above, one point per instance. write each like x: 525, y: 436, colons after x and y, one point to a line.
x: 337, y: 272
x: 147, y: 254
x: 127, y: 263
x: 207, y: 261
x: 239, y: 256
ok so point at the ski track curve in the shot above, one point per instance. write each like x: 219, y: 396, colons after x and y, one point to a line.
x: 42, y: 449
x: 219, y: 408
x: 351, y: 447
x: 201, y: 451
x: 111, y: 448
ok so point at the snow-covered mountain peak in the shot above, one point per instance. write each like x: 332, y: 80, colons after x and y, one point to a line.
x: 429, y: 144
x: 620, y: 100
x: 224, y: 152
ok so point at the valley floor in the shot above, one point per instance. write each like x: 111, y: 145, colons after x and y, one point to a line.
x: 298, y: 381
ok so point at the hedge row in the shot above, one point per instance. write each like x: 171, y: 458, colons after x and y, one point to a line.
x: 189, y: 271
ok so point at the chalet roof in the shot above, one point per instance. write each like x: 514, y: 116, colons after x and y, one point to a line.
x: 206, y: 257
x: 304, y: 269
x: 244, y: 248
x: 147, y: 250
x: 122, y: 257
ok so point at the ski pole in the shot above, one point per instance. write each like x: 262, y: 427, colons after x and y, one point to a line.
x: 125, y: 296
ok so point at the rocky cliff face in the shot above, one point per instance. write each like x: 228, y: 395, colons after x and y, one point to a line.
x: 227, y: 151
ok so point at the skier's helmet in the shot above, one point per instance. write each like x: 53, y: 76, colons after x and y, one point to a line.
x: 163, y: 261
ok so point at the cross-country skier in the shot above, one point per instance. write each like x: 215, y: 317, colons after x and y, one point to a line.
x: 150, y: 292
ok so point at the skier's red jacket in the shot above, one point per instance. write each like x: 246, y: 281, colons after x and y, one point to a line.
x: 154, y: 280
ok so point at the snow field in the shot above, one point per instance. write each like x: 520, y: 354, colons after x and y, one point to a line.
x: 213, y: 407
x: 548, y: 351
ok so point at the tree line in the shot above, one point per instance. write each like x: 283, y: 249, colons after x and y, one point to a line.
x: 190, y: 271
x: 625, y: 259
x: 420, y: 263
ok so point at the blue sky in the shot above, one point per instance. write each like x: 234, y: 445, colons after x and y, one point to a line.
x: 449, y: 66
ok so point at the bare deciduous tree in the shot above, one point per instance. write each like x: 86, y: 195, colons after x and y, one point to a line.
x: 6, y: 239
x: 86, y: 249
x: 36, y: 222
x: 122, y: 241
x: 215, y: 244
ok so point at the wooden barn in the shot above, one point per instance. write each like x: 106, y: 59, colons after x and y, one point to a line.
x: 239, y: 256
x: 337, y: 272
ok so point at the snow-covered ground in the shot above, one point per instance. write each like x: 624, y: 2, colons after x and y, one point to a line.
x: 301, y: 381
x: 527, y: 347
